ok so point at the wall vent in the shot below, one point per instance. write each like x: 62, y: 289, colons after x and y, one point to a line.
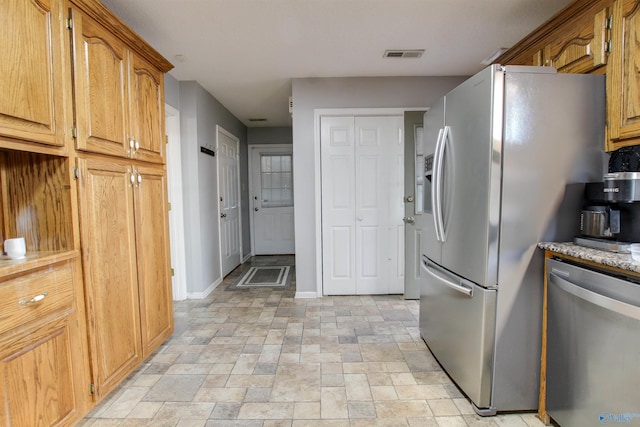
x: 257, y: 119
x: 412, y: 53
x: 290, y: 105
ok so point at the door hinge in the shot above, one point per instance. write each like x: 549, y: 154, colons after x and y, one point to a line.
x: 166, y: 139
x: 609, y: 23
x: 74, y: 132
x: 76, y: 173
x: 607, y: 46
x: 69, y: 23
x: 169, y: 204
x: 92, y: 389
x: 172, y: 273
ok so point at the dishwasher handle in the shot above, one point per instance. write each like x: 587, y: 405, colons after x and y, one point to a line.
x: 561, y: 279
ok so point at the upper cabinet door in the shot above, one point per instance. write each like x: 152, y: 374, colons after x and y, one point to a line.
x: 623, y: 79
x: 147, y: 108
x: 32, y: 71
x: 578, y: 48
x: 101, y: 74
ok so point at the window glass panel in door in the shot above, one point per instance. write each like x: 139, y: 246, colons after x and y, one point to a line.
x: 276, y: 180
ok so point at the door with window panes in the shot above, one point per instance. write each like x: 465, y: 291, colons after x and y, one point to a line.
x: 272, y: 199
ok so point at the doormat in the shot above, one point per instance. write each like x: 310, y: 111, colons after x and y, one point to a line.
x: 271, y: 276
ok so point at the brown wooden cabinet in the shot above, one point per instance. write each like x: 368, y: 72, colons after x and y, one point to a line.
x: 119, y: 95
x: 126, y: 262
x: 578, y: 48
x: 594, y: 36
x: 43, y: 365
x: 34, y: 105
x: 623, y: 79
x: 42, y: 368
x: 72, y: 70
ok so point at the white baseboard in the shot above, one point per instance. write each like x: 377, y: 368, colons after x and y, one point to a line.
x: 246, y: 258
x: 306, y: 295
x: 205, y: 293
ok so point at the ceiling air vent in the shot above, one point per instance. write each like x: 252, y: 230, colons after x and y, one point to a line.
x: 412, y: 53
x: 257, y: 119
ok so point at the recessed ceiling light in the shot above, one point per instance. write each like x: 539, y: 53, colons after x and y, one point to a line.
x: 258, y: 120
x: 403, y: 53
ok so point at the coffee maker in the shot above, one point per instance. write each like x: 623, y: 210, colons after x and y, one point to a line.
x: 610, y: 218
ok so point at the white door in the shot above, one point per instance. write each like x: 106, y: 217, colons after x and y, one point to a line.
x: 229, y: 192
x: 174, y: 190
x: 362, y: 187
x: 414, y: 193
x: 271, y: 192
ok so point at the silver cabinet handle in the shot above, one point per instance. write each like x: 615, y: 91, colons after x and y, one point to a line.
x: 139, y: 178
x: 137, y: 146
x: 132, y: 177
x: 33, y: 300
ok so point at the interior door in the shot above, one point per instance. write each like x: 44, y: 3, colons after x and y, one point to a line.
x: 272, y: 199
x: 229, y: 192
x: 362, y: 205
x: 413, y: 200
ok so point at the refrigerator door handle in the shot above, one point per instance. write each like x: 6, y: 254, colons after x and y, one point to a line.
x: 440, y: 168
x: 434, y: 183
x: 459, y: 287
x: 607, y: 303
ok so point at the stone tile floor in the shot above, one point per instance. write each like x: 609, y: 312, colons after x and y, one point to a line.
x: 260, y: 357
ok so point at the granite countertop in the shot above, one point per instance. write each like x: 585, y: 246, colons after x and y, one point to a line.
x: 611, y: 259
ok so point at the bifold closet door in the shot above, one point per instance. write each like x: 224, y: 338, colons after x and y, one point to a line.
x: 362, y: 183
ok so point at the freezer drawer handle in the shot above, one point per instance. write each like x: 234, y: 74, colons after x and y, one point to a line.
x: 594, y: 298
x: 453, y: 285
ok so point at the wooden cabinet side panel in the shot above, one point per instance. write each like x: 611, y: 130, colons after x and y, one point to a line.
x: 111, y: 292
x: 36, y: 377
x: 32, y: 79
x: 154, y: 279
x: 101, y: 73
x: 147, y: 87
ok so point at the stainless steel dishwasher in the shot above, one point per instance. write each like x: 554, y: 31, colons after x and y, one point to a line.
x: 593, y: 347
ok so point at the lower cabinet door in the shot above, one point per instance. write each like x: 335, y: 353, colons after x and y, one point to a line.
x: 37, y: 377
x: 110, y: 274
x: 154, y: 278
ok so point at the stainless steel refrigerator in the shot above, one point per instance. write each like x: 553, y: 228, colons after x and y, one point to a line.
x: 507, y: 155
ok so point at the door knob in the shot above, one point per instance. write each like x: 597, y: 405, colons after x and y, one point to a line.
x: 408, y: 199
x: 256, y: 209
x: 224, y: 215
x: 360, y: 218
x: 409, y: 219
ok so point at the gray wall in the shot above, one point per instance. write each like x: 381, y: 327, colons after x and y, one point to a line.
x: 313, y: 93
x: 199, y: 114
x: 171, y: 91
x: 275, y: 135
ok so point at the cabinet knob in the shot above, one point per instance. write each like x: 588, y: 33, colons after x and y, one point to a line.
x: 33, y: 300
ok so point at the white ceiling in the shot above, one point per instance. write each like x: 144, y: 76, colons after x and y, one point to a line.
x: 245, y: 52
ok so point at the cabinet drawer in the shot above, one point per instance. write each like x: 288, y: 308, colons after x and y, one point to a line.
x: 38, y: 293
